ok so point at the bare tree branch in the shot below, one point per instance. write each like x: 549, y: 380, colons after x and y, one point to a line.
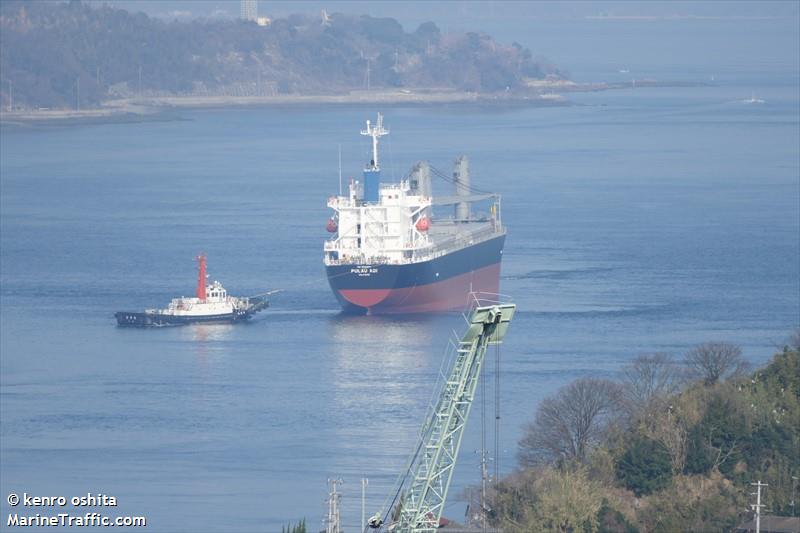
x: 569, y: 423
x: 647, y: 383
x: 715, y: 361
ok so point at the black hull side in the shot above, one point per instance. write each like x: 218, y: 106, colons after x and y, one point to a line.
x: 146, y: 320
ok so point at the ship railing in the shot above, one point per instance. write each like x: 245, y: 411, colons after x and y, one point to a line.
x: 446, y: 246
x: 423, y: 254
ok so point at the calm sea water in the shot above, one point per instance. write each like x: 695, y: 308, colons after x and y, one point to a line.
x: 639, y: 220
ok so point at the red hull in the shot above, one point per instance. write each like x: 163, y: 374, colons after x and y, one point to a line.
x: 448, y: 295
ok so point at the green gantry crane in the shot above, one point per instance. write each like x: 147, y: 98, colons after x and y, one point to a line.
x: 430, y: 468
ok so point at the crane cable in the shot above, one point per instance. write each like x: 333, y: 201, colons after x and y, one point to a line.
x: 496, y: 411
x: 449, y: 179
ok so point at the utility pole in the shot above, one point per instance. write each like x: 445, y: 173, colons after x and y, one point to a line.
x: 364, y: 483
x: 10, y: 96
x: 794, y: 482
x: 758, y: 505
x: 78, y: 94
x: 332, y: 524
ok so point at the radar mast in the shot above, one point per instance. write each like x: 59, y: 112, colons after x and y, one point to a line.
x: 376, y: 132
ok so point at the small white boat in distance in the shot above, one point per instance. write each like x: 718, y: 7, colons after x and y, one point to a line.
x: 753, y: 100
x: 553, y: 97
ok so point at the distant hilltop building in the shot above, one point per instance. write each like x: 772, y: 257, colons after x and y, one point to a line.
x: 248, y: 10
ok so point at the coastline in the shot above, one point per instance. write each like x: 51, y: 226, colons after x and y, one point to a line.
x: 164, y: 108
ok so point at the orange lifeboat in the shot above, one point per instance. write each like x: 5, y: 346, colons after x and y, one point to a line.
x: 423, y: 224
x: 332, y: 226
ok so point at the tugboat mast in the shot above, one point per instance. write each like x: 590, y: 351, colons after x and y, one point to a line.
x: 201, y: 277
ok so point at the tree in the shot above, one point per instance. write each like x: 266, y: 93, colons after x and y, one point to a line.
x: 716, y: 441
x: 793, y: 343
x: 699, y: 459
x: 548, y: 500
x: 610, y: 520
x: 569, y: 424
x: 693, y: 503
x: 299, y: 528
x: 568, y: 501
x: 715, y: 361
x: 647, y: 382
x: 48, y: 46
x: 645, y: 467
x: 670, y: 430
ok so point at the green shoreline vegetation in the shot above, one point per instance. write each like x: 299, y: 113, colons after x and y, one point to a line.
x: 670, y: 446
x: 71, y: 56
x: 76, y: 63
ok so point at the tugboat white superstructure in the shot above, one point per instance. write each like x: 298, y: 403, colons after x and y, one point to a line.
x: 390, y: 255
x: 211, y: 304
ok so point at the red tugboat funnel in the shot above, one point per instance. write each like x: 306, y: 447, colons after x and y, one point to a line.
x: 201, y: 277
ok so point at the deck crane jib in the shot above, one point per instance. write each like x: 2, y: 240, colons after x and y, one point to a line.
x: 427, y: 477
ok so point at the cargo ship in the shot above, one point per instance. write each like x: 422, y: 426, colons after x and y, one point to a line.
x: 388, y: 252
x: 210, y: 305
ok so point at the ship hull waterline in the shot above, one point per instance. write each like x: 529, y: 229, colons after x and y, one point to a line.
x: 438, y: 285
x: 144, y: 319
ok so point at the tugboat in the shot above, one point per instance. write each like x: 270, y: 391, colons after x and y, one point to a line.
x: 211, y: 305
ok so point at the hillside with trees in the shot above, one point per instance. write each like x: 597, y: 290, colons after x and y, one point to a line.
x: 68, y: 55
x: 670, y: 446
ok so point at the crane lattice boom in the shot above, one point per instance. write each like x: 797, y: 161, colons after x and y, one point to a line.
x: 424, y: 499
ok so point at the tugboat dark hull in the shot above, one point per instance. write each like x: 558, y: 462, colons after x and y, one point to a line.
x: 145, y: 320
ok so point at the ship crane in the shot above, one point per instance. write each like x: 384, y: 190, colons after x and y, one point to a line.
x: 430, y: 469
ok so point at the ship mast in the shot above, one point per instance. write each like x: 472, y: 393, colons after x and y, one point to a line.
x: 376, y: 132
x: 372, y: 172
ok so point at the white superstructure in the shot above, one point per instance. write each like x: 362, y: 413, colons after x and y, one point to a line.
x: 379, y: 223
x: 217, y: 302
x: 390, y: 231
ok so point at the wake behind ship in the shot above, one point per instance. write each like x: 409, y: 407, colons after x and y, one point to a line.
x: 390, y: 254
